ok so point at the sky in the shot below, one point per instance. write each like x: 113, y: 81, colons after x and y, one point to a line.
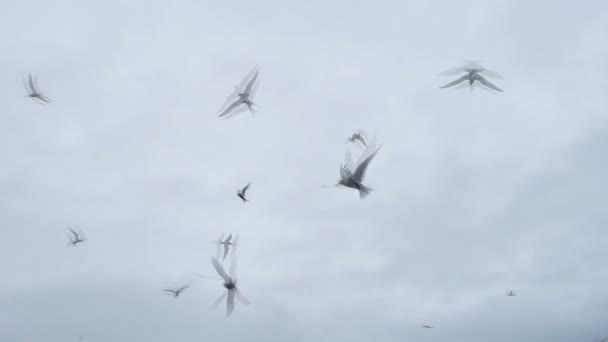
x: 474, y: 192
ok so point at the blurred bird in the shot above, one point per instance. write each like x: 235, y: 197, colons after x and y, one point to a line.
x: 230, y: 285
x: 176, y: 291
x: 33, y: 91
x: 426, y: 326
x: 359, y: 137
x: 474, y: 72
x: 351, y: 175
x: 241, y: 193
x: 241, y: 98
x: 228, y: 244
x: 75, y: 236
x: 511, y: 293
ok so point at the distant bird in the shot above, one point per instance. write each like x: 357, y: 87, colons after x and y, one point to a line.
x: 511, y: 293
x: 228, y: 244
x: 75, y: 236
x: 33, y: 91
x: 175, y: 292
x: 351, y: 175
x: 426, y: 326
x: 358, y: 137
x: 241, y: 193
x: 230, y: 285
x: 474, y: 72
x: 242, y: 97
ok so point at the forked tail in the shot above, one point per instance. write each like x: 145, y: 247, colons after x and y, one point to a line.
x: 364, y: 191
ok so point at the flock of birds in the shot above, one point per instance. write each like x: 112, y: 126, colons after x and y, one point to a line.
x: 352, y: 173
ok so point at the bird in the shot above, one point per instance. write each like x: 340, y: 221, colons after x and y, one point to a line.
x: 241, y: 98
x: 351, y: 175
x: 75, y: 236
x: 426, y: 326
x: 232, y: 291
x: 358, y: 137
x: 176, y: 291
x: 227, y: 243
x: 511, y: 293
x: 33, y: 91
x: 241, y: 193
x: 474, y: 72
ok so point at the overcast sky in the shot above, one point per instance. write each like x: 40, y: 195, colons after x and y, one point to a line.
x: 475, y: 193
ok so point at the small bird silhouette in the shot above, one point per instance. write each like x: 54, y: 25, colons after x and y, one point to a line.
x: 33, y: 92
x: 242, y: 95
x: 426, y: 326
x: 75, y: 236
x: 511, y: 293
x: 241, y: 193
x: 228, y: 244
x: 474, y: 72
x: 176, y: 291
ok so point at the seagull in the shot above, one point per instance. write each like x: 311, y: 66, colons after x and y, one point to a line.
x: 226, y: 243
x: 474, y: 72
x: 241, y: 193
x: 75, y: 236
x: 511, y: 293
x: 351, y: 175
x: 359, y: 136
x: 33, y: 92
x: 230, y: 285
x: 176, y: 291
x: 242, y: 95
x: 426, y: 326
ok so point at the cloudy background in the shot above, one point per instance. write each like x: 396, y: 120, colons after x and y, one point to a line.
x: 474, y: 193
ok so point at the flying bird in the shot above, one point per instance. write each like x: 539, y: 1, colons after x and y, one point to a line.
x: 232, y: 291
x: 227, y: 243
x: 75, y: 236
x: 474, y: 72
x: 426, y: 326
x: 351, y: 175
x: 511, y: 293
x: 359, y: 137
x: 241, y: 193
x: 241, y: 98
x: 33, y: 91
x: 175, y: 292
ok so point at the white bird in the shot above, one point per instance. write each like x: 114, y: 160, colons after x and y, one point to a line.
x: 241, y: 98
x: 75, y: 236
x: 359, y: 137
x: 227, y: 243
x: 176, y: 291
x: 33, y: 91
x: 474, y: 72
x: 232, y: 291
x: 352, y: 175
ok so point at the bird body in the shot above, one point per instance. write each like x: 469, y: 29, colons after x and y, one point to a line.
x: 242, y: 192
x: 75, y: 236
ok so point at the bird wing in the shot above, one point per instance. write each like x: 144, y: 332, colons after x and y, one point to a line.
x: 452, y: 71
x: 246, y: 188
x: 242, y: 298
x: 74, y: 233
x: 169, y: 290
x: 344, y: 172
x: 220, y: 270
x: 230, y: 302
x: 348, y: 160
x: 361, y: 168
x: 488, y: 84
x: 183, y: 288
x: 233, y: 266
x: 491, y: 73
x: 228, y: 238
x: 453, y: 83
x: 218, y: 301
x: 232, y: 107
x: 252, y: 82
x: 225, y: 251
x: 32, y: 83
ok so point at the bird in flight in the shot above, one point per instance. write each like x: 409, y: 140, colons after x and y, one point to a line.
x: 359, y: 137
x: 241, y: 193
x: 241, y: 98
x: 511, y: 293
x: 33, y: 91
x: 426, y: 326
x: 75, y: 236
x: 228, y: 244
x: 175, y: 292
x: 474, y: 72
x: 232, y: 291
x: 351, y: 174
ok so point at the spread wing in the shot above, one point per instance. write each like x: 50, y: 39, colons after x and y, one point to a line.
x: 230, y: 303
x: 183, y: 288
x: 246, y: 188
x: 362, y: 167
x: 225, y: 251
x: 453, y: 83
x: 252, y: 82
x: 220, y: 270
x: 218, y: 301
x: 489, y: 84
x: 452, y: 71
x: 242, y: 298
x: 345, y: 172
x: 32, y: 83
x: 232, y: 107
x: 491, y: 73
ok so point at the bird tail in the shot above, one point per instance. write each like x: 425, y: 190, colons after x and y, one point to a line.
x: 364, y: 191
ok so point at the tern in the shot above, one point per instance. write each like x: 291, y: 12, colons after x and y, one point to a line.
x: 359, y: 137
x: 474, y: 72
x: 75, y: 236
x: 351, y: 175
x: 511, y: 293
x: 426, y: 326
x: 33, y: 91
x: 230, y: 284
x: 242, y: 97
x: 227, y: 243
x: 241, y: 193
x: 175, y: 292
